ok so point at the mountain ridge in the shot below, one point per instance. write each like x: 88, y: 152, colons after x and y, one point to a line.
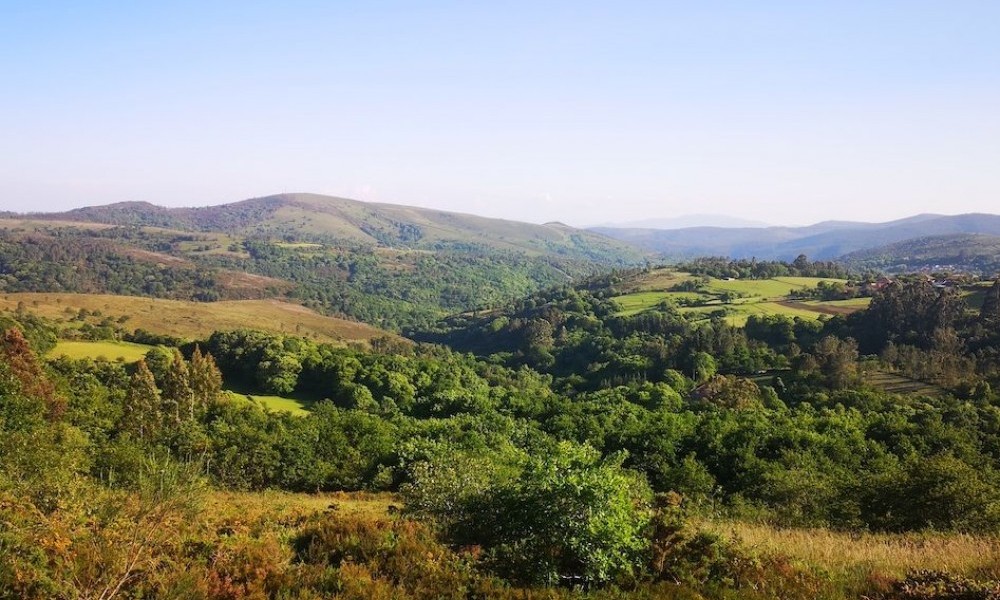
x: 823, y: 241
x: 329, y: 218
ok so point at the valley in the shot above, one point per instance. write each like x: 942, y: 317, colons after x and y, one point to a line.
x: 302, y: 404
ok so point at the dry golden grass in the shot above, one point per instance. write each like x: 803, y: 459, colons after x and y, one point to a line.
x: 876, y: 553
x: 236, y: 508
x: 193, y: 320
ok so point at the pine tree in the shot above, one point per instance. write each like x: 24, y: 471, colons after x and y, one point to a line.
x: 178, y: 399
x: 205, y: 378
x: 141, y: 413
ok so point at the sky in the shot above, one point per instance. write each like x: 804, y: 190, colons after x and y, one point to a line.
x: 787, y: 112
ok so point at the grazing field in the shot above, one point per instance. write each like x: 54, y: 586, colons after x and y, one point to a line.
x: 838, y: 307
x: 640, y: 301
x: 767, y: 288
x: 738, y: 313
x: 125, y: 351
x: 737, y: 298
x: 193, y: 320
x: 661, y: 280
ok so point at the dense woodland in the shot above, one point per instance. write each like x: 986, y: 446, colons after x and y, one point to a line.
x: 556, y: 441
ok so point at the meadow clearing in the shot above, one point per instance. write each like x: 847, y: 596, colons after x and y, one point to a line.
x: 194, y: 320
x: 735, y: 299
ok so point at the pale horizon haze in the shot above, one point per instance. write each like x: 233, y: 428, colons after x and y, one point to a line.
x: 580, y: 112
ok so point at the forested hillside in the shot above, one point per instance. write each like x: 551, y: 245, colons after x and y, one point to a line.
x: 385, y: 265
x: 970, y: 253
x: 583, y: 449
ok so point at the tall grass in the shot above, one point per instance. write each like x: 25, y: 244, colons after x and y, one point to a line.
x: 877, y: 554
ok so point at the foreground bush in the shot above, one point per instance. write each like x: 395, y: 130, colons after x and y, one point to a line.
x: 567, y: 517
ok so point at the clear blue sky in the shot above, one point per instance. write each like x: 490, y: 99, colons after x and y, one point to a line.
x: 585, y: 112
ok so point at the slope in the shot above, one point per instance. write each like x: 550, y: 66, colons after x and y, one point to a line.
x: 189, y: 320
x: 969, y: 252
x: 326, y: 218
x: 391, y: 266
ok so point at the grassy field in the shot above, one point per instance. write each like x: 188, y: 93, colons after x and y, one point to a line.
x: 639, y: 301
x: 193, y: 320
x: 852, y: 554
x: 842, y: 556
x: 125, y: 351
x: 897, y: 384
x: 661, y: 280
x: 756, y: 296
x: 276, y: 403
x: 738, y: 313
x: 838, y: 553
x: 766, y: 288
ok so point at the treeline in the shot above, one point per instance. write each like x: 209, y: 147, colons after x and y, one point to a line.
x: 721, y: 267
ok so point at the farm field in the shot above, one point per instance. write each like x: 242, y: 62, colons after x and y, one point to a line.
x: 766, y: 288
x: 126, y: 351
x: 738, y: 313
x: 848, y: 306
x: 192, y: 320
x: 761, y: 297
x: 897, y: 384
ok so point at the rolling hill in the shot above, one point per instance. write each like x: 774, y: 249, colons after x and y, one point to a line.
x: 390, y: 266
x: 190, y: 320
x: 822, y: 241
x: 312, y: 217
x: 970, y: 252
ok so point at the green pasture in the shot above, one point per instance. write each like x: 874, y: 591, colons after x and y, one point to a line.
x: 662, y: 279
x: 755, y: 293
x: 126, y: 351
x: 766, y: 288
x: 275, y: 403
x: 737, y: 314
x: 639, y: 301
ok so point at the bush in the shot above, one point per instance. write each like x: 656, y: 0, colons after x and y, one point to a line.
x: 568, y: 517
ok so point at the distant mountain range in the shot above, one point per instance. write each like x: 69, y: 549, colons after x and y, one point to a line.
x: 973, y: 252
x: 686, y: 221
x: 963, y: 242
x: 823, y: 241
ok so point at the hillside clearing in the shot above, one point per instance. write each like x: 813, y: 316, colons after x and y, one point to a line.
x: 275, y: 403
x: 735, y: 299
x: 196, y: 320
x: 898, y: 384
x: 125, y: 351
